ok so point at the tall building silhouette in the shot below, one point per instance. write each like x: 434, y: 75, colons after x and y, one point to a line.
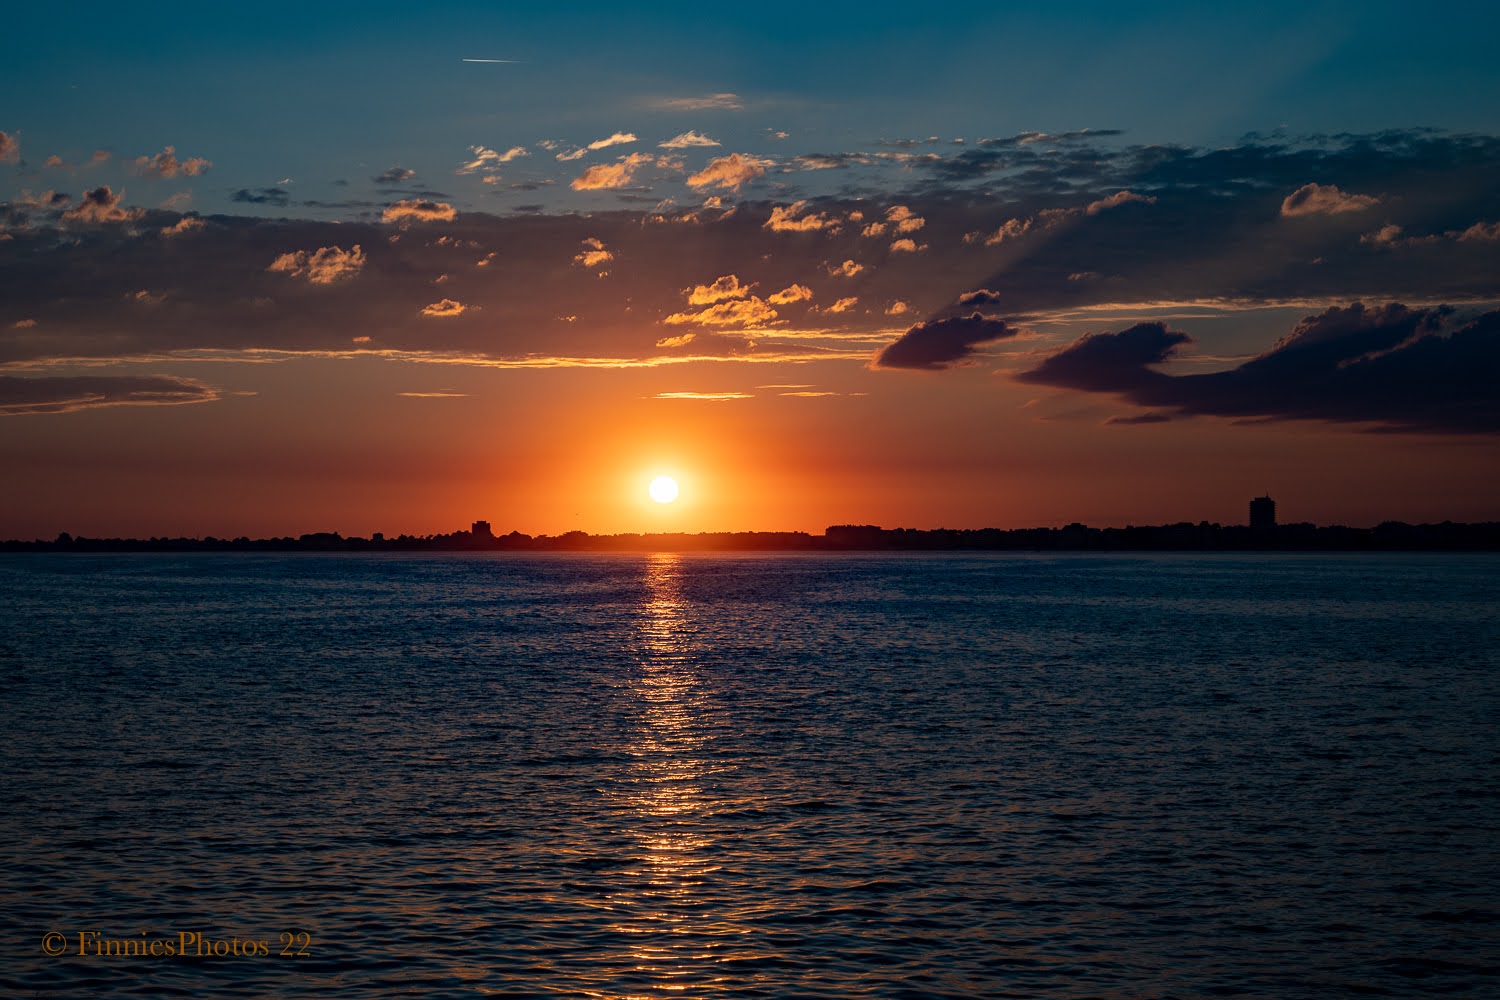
x: 481, y: 529
x: 1263, y: 512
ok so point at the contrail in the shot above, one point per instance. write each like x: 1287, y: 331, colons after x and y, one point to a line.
x: 493, y: 60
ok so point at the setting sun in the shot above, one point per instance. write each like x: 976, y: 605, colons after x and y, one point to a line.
x: 663, y: 489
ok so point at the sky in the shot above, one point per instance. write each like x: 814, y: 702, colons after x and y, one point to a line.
x: 379, y: 267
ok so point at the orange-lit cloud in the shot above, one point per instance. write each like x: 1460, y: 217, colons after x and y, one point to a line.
x: 1116, y: 200
x: 620, y: 174
x: 68, y: 393
x: 166, y: 164
x: 731, y: 172
x: 489, y: 160
x: 904, y: 220
x: 618, y: 139
x: 735, y: 312
x: 847, y: 269
x: 843, y: 305
x: 784, y: 219
x: 445, y: 307
x: 790, y: 294
x: 907, y: 246
x: 418, y: 210
x: 1008, y: 230
x: 323, y: 266
x: 10, y: 148
x: 1319, y: 199
x: 716, y: 397
x: 679, y: 341
x: 726, y: 287
x: 897, y: 308
x: 593, y: 254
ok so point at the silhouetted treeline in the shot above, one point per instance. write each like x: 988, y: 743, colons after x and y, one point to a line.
x: 1183, y: 537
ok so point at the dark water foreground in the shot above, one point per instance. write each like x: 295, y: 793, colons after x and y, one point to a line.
x: 750, y: 776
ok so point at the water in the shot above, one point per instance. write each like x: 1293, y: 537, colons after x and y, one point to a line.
x: 753, y: 776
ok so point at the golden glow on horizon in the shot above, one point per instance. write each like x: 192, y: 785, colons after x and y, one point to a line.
x: 663, y: 489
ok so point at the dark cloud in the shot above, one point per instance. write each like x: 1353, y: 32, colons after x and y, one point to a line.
x: 395, y: 175
x: 1139, y: 418
x: 262, y: 196
x: 1394, y: 367
x: 101, y: 205
x: 979, y: 297
x: 941, y: 343
x: 64, y: 394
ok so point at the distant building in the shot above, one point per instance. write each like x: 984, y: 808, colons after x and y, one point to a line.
x: 481, y: 529
x: 1263, y: 512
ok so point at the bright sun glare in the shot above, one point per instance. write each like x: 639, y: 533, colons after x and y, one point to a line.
x: 663, y: 489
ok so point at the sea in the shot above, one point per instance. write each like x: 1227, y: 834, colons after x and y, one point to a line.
x: 764, y: 775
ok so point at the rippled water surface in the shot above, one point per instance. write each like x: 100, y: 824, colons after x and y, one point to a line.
x: 753, y: 776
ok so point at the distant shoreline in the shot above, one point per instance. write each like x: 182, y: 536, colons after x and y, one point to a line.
x: 1390, y: 536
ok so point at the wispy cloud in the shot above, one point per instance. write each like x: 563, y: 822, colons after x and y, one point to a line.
x: 708, y: 102
x: 166, y: 164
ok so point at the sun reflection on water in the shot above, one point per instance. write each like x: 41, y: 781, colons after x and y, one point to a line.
x: 664, y: 905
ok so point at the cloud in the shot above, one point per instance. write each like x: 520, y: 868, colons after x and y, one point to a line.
x: 489, y: 160
x: 784, y: 220
x: 752, y: 311
x: 1488, y: 232
x: 394, y: 175
x: 1318, y: 199
x: 418, y: 210
x: 708, y: 102
x: 1394, y: 367
x: 731, y: 172
x: 618, y: 139
x: 828, y: 161
x: 323, y: 266
x: 687, y: 140
x: 445, y: 307
x: 907, y: 246
x: 621, y: 174
x: 843, y: 305
x: 593, y: 254
x: 904, y: 220
x: 1008, y: 230
x: 847, y: 269
x: 10, y: 148
x: 791, y: 293
x: 679, y: 341
x: 101, y: 205
x: 166, y: 164
x: 1139, y: 418
x: 439, y: 394
x: 716, y: 397
x: 264, y: 196
x: 942, y: 343
x: 66, y: 394
x: 897, y: 308
x: 1117, y: 199
x: 981, y: 297
x: 725, y: 287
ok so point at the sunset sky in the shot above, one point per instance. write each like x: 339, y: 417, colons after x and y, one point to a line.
x: 379, y: 267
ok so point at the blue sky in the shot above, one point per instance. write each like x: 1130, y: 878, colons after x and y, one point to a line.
x: 336, y: 91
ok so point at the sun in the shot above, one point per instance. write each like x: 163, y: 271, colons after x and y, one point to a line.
x: 663, y: 489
